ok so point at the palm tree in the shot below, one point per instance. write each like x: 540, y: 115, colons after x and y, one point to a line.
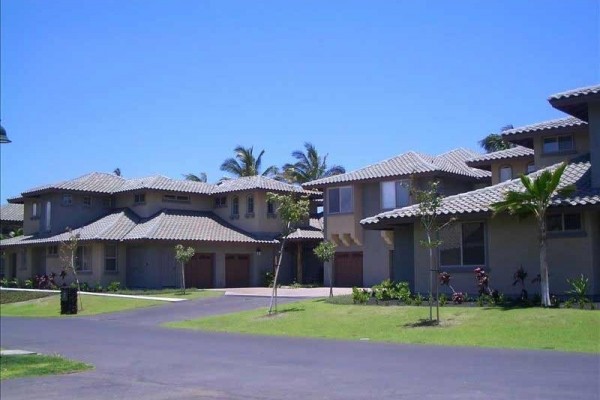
x: 196, y: 178
x: 246, y: 164
x: 535, y: 200
x: 494, y: 142
x: 117, y: 171
x: 310, y: 166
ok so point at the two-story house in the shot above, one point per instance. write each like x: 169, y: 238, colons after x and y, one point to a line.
x: 127, y: 230
x: 503, y: 243
x: 366, y: 257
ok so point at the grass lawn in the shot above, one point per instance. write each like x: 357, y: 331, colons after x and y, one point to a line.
x: 8, y: 296
x: 37, y: 365
x: 190, y: 294
x: 524, y: 328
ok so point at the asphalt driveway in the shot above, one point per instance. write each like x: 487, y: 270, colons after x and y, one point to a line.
x: 135, y: 358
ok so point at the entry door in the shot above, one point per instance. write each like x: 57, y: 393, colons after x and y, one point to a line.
x: 237, y: 270
x: 199, y: 271
x: 348, y: 269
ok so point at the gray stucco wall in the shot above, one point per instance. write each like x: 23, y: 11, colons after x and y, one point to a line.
x: 594, y: 127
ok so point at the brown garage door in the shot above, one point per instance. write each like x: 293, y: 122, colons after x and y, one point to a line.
x: 199, y: 271
x: 348, y: 269
x: 237, y: 270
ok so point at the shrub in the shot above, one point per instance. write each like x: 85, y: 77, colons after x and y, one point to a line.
x: 360, y: 296
x: 268, y: 279
x: 85, y: 287
x: 442, y: 299
x: 384, y: 291
x: 578, y: 292
x: 519, y: 277
x: 458, y: 297
x: 418, y: 299
x: 403, y: 292
x: 45, y: 281
x: 4, y: 282
x: 28, y: 284
x: 113, y: 286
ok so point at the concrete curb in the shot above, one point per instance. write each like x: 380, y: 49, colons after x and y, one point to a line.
x: 125, y: 296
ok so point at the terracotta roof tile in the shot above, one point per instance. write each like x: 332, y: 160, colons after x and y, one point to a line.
x: 11, y: 213
x: 545, y: 126
x: 579, y: 92
x: 513, y: 152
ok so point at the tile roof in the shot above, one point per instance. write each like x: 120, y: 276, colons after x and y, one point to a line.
x: 579, y: 92
x: 96, y: 182
x: 257, y: 182
x: 479, y: 201
x: 409, y: 163
x: 159, y: 182
x: 314, y: 231
x: 513, y: 152
x: 545, y: 126
x: 11, y: 213
x: 190, y: 226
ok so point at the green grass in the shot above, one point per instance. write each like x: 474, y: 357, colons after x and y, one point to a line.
x: 38, y: 365
x: 8, y: 296
x: 525, y: 328
x: 190, y: 294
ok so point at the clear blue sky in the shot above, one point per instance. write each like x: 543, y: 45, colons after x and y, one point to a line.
x: 173, y: 86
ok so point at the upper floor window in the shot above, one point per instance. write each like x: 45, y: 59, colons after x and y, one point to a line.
x: 139, y: 198
x: 67, y: 199
x: 463, y: 244
x: 505, y: 173
x: 34, y: 210
x: 52, y: 250
x: 221, y: 202
x: 250, y: 204
x: 395, y: 194
x: 110, y: 257
x: 83, y: 260
x: 107, y: 202
x: 179, y: 198
x: 48, y: 215
x: 87, y: 201
x: 339, y: 200
x: 563, y: 222
x: 530, y: 168
x: 235, y: 206
x: 270, y: 208
x: 557, y: 144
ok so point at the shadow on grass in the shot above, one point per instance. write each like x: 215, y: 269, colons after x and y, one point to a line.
x: 422, y: 323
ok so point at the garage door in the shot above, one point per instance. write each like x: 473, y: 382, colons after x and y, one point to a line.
x: 237, y: 270
x: 348, y: 269
x: 199, y: 271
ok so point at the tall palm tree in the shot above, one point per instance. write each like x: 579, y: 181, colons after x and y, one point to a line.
x: 494, y: 142
x: 535, y: 200
x: 246, y: 164
x: 310, y: 166
x: 196, y: 178
x: 117, y: 171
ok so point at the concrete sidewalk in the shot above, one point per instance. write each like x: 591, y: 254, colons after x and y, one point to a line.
x: 286, y: 292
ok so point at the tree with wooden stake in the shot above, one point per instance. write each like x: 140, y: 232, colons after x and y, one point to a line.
x: 430, y: 201
x: 183, y: 256
x: 534, y: 199
x: 68, y: 259
x: 325, y: 252
x: 292, y: 210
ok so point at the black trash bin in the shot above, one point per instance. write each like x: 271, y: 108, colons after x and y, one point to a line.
x: 68, y: 300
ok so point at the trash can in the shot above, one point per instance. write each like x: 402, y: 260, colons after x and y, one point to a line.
x: 68, y: 300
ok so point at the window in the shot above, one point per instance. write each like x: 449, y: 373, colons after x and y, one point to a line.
x: 67, y: 199
x: 235, y: 207
x: 179, y: 198
x: 463, y: 244
x: 34, y: 210
x: 53, y: 251
x: 87, y: 201
x: 394, y: 194
x: 83, y: 259
x: 563, y: 222
x: 339, y: 200
x: 107, y: 202
x: 110, y: 258
x: 221, y: 202
x: 557, y: 144
x: 250, y: 206
x: 48, y: 215
x: 530, y: 168
x: 270, y: 209
x: 139, y: 198
x: 505, y: 173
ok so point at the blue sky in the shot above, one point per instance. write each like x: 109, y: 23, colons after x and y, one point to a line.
x: 173, y: 86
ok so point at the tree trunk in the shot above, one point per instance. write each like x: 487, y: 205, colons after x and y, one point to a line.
x: 331, y: 278
x: 183, y: 276
x: 545, y: 286
x: 430, y: 277
x: 299, y: 262
x: 76, y: 279
x: 273, y: 305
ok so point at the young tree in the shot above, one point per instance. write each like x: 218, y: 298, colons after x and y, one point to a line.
x: 183, y: 256
x: 292, y: 210
x: 430, y: 201
x: 68, y: 258
x: 325, y: 252
x: 534, y: 199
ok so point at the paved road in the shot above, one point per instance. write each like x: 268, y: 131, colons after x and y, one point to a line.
x: 135, y: 358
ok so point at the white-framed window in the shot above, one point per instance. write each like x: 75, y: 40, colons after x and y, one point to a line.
x: 235, y: 206
x: 557, y: 144
x: 139, y: 198
x: 83, y: 259
x: 221, y: 202
x: 395, y: 194
x: 564, y: 222
x: 339, y: 200
x: 87, y: 201
x: 463, y: 244
x: 176, y: 198
x: 271, y: 209
x: 52, y: 251
x: 34, y: 210
x: 48, y: 216
x: 67, y: 199
x: 530, y: 168
x: 110, y: 258
x: 505, y: 173
x: 250, y: 205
